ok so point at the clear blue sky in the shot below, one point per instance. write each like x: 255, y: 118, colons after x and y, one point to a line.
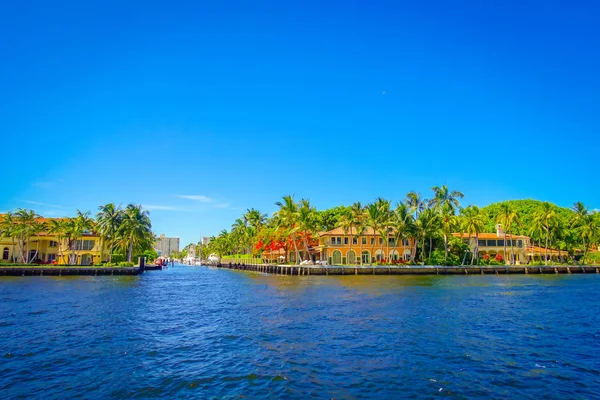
x: 235, y: 104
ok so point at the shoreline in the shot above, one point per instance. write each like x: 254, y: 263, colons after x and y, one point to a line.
x: 66, y: 271
x: 303, y: 270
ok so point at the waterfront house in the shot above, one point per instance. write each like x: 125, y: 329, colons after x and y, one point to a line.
x: 519, y: 248
x: 48, y: 248
x: 340, y: 248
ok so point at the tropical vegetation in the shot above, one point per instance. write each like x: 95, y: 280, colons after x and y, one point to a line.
x: 126, y: 230
x: 428, y: 224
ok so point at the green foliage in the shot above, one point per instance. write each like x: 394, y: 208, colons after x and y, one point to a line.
x: 526, y: 210
x: 329, y: 219
x: 150, y: 255
x: 437, y: 258
x: 125, y: 264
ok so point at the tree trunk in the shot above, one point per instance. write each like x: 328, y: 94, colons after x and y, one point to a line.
x: 130, y: 252
x: 296, y: 249
x: 13, y: 250
x: 306, y: 247
x: 512, y: 251
x: 505, y: 258
x: 430, y: 248
x: 445, y: 249
x: 546, y: 250
x: 475, y: 250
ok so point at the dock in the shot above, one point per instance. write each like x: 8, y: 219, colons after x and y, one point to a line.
x: 304, y: 270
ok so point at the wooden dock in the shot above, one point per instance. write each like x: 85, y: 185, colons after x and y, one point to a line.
x: 302, y: 270
x: 66, y: 271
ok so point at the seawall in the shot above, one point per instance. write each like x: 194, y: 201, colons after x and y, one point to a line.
x: 425, y: 270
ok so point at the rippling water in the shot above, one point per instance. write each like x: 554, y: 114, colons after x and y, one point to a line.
x: 192, y: 332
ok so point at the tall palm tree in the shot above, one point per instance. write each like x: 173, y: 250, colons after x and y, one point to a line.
x: 447, y: 224
x: 508, y: 216
x: 546, y: 215
x: 288, y: 215
x: 345, y: 222
x: 306, y: 222
x: 473, y: 223
x: 385, y: 221
x: 109, y: 218
x: 8, y: 229
x: 402, y: 224
x: 428, y: 224
x: 373, y: 217
x: 442, y: 197
x: 579, y: 221
x: 416, y: 203
x: 135, y: 229
x: 25, y: 220
x: 58, y: 227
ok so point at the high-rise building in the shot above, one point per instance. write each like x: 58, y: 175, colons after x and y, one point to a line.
x: 166, y: 245
x: 205, y: 240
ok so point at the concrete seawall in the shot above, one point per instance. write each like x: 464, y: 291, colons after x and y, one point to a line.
x: 426, y: 270
x: 35, y: 271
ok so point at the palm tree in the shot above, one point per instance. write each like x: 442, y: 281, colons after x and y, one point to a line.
x: 427, y: 223
x: 135, y: 229
x: 385, y: 222
x: 581, y: 222
x: 306, y: 222
x: 447, y: 223
x: 58, y: 227
x: 546, y: 216
x: 373, y: 220
x: 402, y: 224
x: 288, y: 214
x: 345, y: 222
x: 473, y: 223
x: 109, y: 218
x: 8, y: 229
x: 35, y: 230
x: 25, y: 219
x: 415, y: 203
x: 508, y: 217
x: 442, y: 197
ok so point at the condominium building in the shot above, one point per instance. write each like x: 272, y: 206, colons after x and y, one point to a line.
x: 166, y: 245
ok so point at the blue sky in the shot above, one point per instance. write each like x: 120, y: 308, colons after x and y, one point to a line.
x: 200, y: 110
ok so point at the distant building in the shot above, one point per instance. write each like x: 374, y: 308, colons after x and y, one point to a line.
x: 205, y: 240
x: 166, y: 245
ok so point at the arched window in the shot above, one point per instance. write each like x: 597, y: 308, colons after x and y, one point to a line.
x: 337, y: 257
x: 351, y: 257
x: 5, y: 254
x: 366, y: 257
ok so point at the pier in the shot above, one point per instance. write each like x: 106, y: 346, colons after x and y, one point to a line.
x: 305, y: 270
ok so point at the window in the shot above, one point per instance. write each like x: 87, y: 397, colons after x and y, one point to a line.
x: 380, y: 240
x: 481, y: 243
x: 53, y: 243
x: 391, y: 241
x: 83, y: 245
x: 51, y: 257
x: 491, y: 243
x: 339, y: 240
x: 372, y: 240
x: 345, y: 240
x: 354, y: 240
x: 519, y: 243
x: 364, y: 240
x: 500, y: 243
x: 405, y: 242
x: 5, y: 254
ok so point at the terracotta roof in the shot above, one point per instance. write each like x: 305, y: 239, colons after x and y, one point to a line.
x: 542, y: 250
x: 340, y: 232
x: 490, y: 236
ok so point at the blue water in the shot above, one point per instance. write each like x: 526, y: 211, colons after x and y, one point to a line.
x: 194, y: 332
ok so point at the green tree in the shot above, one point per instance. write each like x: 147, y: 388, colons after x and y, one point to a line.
x: 472, y: 222
x: 288, y: 214
x: 546, y: 217
x: 108, y: 219
x: 135, y: 230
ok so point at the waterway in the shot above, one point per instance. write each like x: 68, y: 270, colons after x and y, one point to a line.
x: 197, y: 332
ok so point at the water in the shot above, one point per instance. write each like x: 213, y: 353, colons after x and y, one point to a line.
x: 192, y: 332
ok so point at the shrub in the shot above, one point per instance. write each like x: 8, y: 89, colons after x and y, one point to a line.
x: 125, y: 264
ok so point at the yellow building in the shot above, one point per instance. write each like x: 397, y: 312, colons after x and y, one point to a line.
x: 339, y: 247
x: 47, y: 249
